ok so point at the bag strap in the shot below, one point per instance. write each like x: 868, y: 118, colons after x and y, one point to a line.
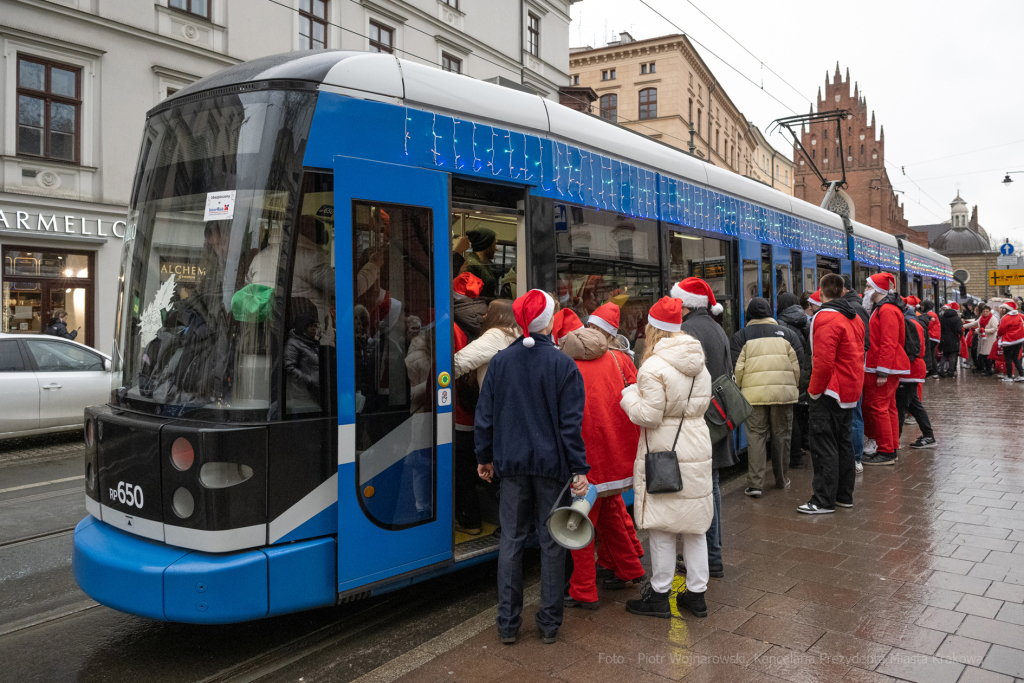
x: 682, y: 417
x: 624, y: 383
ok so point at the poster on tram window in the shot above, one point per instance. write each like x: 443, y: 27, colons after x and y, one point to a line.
x: 219, y: 205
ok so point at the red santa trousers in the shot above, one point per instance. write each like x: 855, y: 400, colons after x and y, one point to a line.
x: 604, y: 555
x: 608, y: 524
x: 881, y: 419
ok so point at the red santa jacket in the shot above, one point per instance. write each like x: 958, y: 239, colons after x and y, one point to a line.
x: 609, y: 435
x: 837, y: 342
x: 463, y: 418
x: 918, y: 367
x: 888, y: 334
x: 1011, y: 329
x: 934, y: 327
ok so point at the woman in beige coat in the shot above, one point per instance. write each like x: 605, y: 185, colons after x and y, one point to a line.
x: 672, y: 384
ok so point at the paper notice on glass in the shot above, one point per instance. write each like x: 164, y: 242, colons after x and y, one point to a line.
x: 22, y: 312
x: 219, y: 205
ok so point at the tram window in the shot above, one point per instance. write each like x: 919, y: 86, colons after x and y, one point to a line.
x: 393, y: 314
x: 809, y: 284
x: 310, y: 357
x: 708, y: 259
x: 782, y: 283
x: 495, y: 264
x: 750, y: 286
x: 766, y: 274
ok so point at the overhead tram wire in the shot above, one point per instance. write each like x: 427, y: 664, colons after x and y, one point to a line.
x: 960, y: 154
x: 618, y: 119
x: 713, y: 54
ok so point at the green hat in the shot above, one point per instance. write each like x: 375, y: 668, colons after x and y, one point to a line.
x: 252, y: 303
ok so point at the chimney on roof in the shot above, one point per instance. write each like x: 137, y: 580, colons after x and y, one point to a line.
x: 624, y: 38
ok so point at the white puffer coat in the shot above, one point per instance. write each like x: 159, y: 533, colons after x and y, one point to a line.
x: 655, y: 403
x: 478, y: 353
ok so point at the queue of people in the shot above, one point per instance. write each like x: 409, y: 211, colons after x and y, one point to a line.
x: 986, y: 338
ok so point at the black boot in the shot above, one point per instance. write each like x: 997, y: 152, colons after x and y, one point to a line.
x: 693, y: 602
x: 650, y: 604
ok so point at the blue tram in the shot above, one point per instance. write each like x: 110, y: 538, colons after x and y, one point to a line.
x: 280, y: 430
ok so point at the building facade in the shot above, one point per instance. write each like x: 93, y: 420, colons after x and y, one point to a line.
x: 768, y: 164
x: 869, y: 196
x: 968, y: 247
x: 79, y: 76
x: 658, y: 87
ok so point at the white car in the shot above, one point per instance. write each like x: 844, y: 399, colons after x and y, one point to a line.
x: 47, y: 382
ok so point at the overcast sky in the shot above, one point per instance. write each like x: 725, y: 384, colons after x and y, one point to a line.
x: 944, y: 77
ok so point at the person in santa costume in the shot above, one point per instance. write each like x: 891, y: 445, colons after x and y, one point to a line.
x: 934, y: 337
x: 672, y: 392
x: 837, y: 335
x: 467, y: 316
x: 987, y: 328
x: 886, y: 362
x: 564, y: 322
x: 529, y: 422
x: 1011, y: 340
x: 861, y: 446
x: 611, y: 441
x: 699, y: 305
x: 908, y: 395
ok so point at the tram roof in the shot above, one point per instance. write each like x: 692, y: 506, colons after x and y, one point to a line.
x: 917, y: 249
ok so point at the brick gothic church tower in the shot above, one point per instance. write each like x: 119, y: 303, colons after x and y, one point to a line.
x: 869, y: 193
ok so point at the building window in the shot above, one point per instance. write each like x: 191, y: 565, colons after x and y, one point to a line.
x: 647, y: 68
x: 49, y: 107
x: 649, y: 103
x: 200, y: 8
x: 700, y: 90
x: 643, y: 69
x: 716, y: 140
x: 313, y: 24
x: 650, y: 68
x: 786, y: 176
x: 449, y: 63
x: 451, y: 3
x: 690, y: 119
x: 862, y: 150
x: 604, y: 75
x: 533, y: 35
x: 813, y: 155
x: 698, y: 121
x: 576, y: 80
x: 610, y: 107
x: 611, y: 75
x: 382, y: 38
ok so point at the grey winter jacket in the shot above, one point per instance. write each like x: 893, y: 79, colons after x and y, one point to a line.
x: 698, y: 323
x: 793, y: 318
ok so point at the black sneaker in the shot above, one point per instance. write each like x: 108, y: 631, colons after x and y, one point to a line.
x: 753, y: 493
x: 880, y: 459
x: 844, y: 505
x: 712, y: 572
x: 571, y: 602
x: 693, y: 603
x: 812, y: 509
x: 509, y: 639
x: 924, y: 442
x: 650, y: 604
x: 615, y: 583
x: 549, y: 638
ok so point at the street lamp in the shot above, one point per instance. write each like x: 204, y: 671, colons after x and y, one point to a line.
x: 1007, y: 181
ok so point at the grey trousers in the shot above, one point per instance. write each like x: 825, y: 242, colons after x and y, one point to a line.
x: 774, y: 422
x: 523, y: 506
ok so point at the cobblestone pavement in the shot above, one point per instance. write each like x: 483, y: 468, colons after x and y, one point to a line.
x: 43, y: 448
x: 923, y: 580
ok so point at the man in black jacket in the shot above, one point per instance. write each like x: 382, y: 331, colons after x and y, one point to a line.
x: 58, y: 326
x: 791, y: 315
x: 857, y: 423
x: 697, y: 297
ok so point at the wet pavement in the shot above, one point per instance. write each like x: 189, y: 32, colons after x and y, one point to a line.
x: 922, y: 580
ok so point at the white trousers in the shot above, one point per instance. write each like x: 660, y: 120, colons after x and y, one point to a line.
x: 663, y: 560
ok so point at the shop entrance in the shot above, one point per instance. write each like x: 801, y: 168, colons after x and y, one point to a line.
x: 36, y: 283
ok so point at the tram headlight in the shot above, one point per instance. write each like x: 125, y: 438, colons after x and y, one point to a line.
x: 221, y: 475
x: 183, y: 503
x: 182, y: 454
x: 90, y: 433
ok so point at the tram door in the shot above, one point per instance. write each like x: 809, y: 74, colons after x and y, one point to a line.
x: 783, y: 274
x: 394, y: 365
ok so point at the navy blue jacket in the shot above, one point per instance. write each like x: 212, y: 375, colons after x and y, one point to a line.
x: 529, y: 418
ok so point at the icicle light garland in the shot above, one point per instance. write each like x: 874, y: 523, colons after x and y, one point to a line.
x: 562, y: 170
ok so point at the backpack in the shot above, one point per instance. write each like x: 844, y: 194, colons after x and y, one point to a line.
x: 911, y: 342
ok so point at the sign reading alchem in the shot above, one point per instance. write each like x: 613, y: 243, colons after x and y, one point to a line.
x: 60, y: 225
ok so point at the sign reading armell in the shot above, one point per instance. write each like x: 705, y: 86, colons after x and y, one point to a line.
x: 60, y: 225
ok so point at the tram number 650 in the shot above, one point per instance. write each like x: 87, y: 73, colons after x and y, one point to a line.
x: 127, y: 494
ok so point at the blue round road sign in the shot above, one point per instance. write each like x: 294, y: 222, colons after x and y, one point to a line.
x: 1006, y: 249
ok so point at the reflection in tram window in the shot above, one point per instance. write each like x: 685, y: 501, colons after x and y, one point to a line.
x: 394, y: 351
x: 782, y: 284
x: 766, y: 274
x: 750, y: 284
x: 708, y: 259
x: 809, y: 284
x: 602, y: 257
x: 487, y: 243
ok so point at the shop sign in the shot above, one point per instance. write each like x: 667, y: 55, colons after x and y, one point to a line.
x: 182, y: 270
x: 61, y: 225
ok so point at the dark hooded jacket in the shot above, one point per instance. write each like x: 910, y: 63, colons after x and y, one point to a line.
x: 791, y: 316
x: 698, y: 323
x: 469, y: 316
x: 56, y: 328
x: 862, y: 313
x: 952, y: 330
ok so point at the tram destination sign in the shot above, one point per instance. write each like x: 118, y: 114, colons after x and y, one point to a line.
x: 1005, y: 278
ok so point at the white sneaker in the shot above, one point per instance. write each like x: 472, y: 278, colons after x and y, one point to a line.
x: 1008, y: 379
x: 870, y: 447
x: 1018, y: 379
x: 859, y: 466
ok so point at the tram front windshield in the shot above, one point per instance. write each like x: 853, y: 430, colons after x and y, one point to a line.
x: 203, y: 270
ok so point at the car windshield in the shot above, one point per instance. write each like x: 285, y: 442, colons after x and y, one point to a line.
x: 202, y: 271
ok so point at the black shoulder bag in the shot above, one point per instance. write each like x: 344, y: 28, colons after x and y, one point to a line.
x: 661, y: 469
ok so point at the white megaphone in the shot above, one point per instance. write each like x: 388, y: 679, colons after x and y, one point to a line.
x: 570, y: 526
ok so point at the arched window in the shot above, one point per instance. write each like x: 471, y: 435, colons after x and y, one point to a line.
x: 610, y: 107
x: 649, y: 103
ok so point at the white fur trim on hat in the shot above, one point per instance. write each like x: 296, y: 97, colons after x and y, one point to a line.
x: 694, y: 301
x: 542, y: 320
x: 662, y: 325
x: 603, y: 324
x: 871, y: 283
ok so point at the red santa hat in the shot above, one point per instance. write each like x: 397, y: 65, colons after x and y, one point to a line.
x: 912, y: 301
x: 815, y: 298
x: 533, y: 312
x: 953, y: 306
x: 666, y: 314
x: 606, y: 317
x: 696, y: 293
x: 882, y: 282
x: 1011, y: 306
x: 467, y: 286
x: 565, y: 321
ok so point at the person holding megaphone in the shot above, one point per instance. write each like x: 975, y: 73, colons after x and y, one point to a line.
x: 672, y: 478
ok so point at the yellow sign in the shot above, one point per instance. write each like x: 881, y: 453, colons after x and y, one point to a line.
x: 1005, y: 278
x: 444, y: 379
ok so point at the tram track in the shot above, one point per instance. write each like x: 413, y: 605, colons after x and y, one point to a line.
x: 36, y: 537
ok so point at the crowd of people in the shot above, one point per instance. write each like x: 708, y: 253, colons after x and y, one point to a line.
x: 983, y: 337
x: 562, y: 403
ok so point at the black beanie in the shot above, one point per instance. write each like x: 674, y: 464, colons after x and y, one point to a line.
x: 481, y: 238
x: 758, y: 308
